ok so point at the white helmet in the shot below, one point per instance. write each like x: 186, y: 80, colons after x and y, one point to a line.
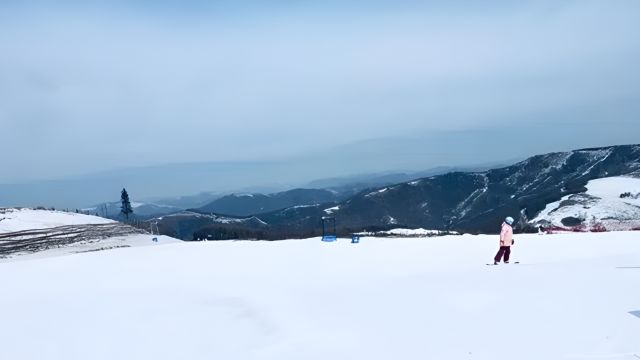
x: 509, y: 220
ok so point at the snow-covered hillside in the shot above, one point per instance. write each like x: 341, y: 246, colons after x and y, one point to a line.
x: 571, y: 297
x: 27, y: 219
x: 218, y: 219
x: 36, y: 233
x: 613, y: 202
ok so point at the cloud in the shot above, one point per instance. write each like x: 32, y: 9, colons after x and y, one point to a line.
x: 161, y: 82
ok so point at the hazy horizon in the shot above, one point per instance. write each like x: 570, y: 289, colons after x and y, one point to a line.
x: 152, y: 183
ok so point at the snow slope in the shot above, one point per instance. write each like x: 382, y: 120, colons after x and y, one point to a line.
x: 61, y: 233
x: 26, y: 219
x: 611, y: 188
x: 89, y: 246
x: 600, y: 203
x: 430, y: 298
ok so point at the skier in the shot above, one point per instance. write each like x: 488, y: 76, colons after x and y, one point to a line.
x: 506, y: 240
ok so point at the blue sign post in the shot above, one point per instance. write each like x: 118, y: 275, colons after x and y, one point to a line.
x: 329, y: 229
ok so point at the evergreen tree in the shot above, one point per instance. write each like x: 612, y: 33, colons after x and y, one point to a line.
x: 126, y: 208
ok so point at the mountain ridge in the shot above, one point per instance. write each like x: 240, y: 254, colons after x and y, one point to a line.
x: 465, y: 201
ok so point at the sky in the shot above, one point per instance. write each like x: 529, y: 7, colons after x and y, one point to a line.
x: 88, y: 86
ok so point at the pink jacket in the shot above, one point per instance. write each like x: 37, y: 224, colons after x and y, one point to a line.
x: 506, y: 235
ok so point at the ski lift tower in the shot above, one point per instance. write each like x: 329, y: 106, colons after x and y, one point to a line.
x: 154, y: 238
x: 152, y: 225
x: 329, y: 228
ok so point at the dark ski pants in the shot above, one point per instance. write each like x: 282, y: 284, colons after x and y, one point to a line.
x: 504, y: 250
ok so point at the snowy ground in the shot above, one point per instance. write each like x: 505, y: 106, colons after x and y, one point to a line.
x: 429, y: 298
